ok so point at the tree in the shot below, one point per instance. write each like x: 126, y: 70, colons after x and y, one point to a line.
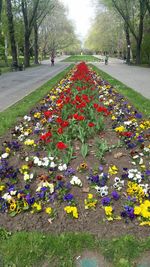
x: 11, y: 32
x: 56, y: 31
x: 29, y: 10
x: 100, y: 37
x: 1, y: 2
x: 148, y: 5
x: 45, y: 8
x: 133, y: 13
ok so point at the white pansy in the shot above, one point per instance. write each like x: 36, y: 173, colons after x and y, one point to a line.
x: 27, y: 118
x: 26, y: 133
x: 103, y: 191
x: 7, y: 196
x: 141, y: 161
x: 52, y: 164
x: 21, y: 137
x: 51, y: 158
x: 145, y: 188
x: 5, y: 155
x: 76, y: 181
x: 62, y: 167
x: 35, y: 160
x: 135, y: 175
x: 118, y: 183
x: 26, y: 177
x: 13, y: 193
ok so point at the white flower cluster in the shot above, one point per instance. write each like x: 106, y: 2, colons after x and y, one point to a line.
x: 76, y: 181
x: 118, y: 183
x: 44, y: 162
x: 145, y: 188
x: 28, y: 177
x: 8, y: 196
x: 138, y: 159
x: 135, y: 175
x: 103, y: 191
x: 4, y: 156
x: 62, y: 167
x: 27, y: 118
x: 130, y: 122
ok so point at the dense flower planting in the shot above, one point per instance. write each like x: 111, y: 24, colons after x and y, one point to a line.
x: 37, y: 170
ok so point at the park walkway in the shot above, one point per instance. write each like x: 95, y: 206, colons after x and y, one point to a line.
x: 137, y: 78
x: 16, y: 85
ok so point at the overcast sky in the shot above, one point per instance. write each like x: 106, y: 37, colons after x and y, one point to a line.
x: 81, y: 12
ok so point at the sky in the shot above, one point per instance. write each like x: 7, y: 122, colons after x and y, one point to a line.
x: 81, y: 13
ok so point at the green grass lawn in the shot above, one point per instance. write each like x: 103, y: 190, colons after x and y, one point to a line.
x: 85, y: 58
x: 140, y: 102
x: 24, y: 249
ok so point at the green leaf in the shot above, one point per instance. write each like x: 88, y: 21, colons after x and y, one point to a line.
x: 13, y: 213
x: 84, y: 150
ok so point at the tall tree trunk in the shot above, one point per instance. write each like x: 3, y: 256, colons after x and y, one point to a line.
x: 36, y: 48
x: 138, y: 52
x: 140, y: 36
x: 28, y: 26
x: 11, y: 32
x: 127, y: 33
x: 1, y: 2
x: 6, y: 51
x: 26, y: 50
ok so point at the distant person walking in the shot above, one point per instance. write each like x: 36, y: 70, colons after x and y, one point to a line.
x: 106, y: 59
x: 52, y: 60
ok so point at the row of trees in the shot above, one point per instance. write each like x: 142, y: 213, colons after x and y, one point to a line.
x: 28, y: 27
x: 122, y: 25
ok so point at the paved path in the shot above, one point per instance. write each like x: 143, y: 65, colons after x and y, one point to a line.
x: 138, y: 78
x: 16, y: 85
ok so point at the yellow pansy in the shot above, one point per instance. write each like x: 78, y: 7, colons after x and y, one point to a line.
x: 145, y: 223
x: 37, y: 115
x: 2, y: 187
x: 108, y: 210
x: 72, y: 210
x: 29, y: 142
x: 48, y: 210
x: 113, y: 117
x: 113, y: 170
x: 120, y: 129
x: 7, y: 150
x: 137, y: 210
x: 37, y: 207
x: 12, y: 206
x: 90, y: 196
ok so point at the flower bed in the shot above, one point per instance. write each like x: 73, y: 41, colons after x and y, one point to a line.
x: 78, y: 160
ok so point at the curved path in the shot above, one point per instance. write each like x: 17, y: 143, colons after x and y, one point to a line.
x: 16, y: 85
x: 137, y: 78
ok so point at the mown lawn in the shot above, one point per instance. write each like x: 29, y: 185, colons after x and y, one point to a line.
x: 24, y: 249
x: 79, y: 58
